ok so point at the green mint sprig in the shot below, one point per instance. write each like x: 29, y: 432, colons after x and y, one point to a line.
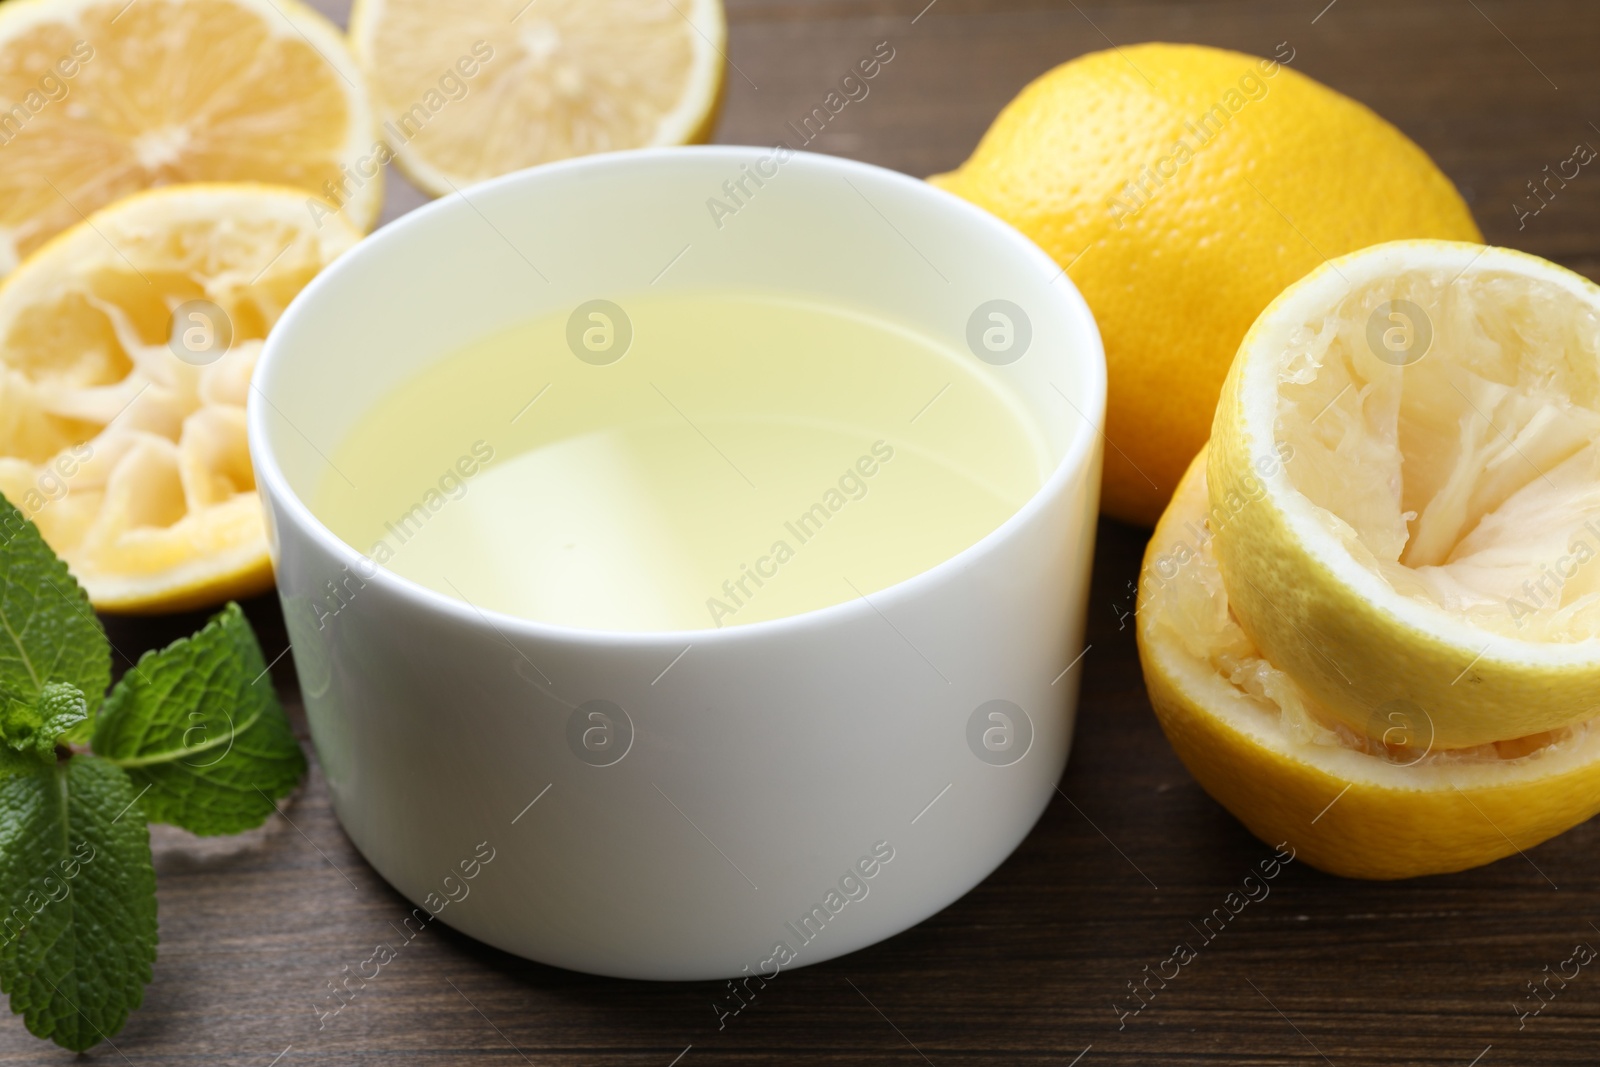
x: 193, y: 736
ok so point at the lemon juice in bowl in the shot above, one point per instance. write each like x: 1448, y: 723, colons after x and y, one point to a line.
x: 682, y: 461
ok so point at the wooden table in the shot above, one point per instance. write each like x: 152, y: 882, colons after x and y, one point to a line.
x: 1026, y: 967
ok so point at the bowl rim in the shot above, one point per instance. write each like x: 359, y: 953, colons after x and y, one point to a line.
x: 1079, y: 451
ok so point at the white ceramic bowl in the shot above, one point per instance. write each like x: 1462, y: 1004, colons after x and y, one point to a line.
x: 788, y: 790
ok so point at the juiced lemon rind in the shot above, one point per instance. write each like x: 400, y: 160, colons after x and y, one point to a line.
x: 1318, y: 590
x: 1351, y: 812
x: 132, y: 461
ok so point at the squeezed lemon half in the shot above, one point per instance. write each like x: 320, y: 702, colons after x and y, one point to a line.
x: 1433, y: 536
x: 126, y: 348
x: 1391, y: 806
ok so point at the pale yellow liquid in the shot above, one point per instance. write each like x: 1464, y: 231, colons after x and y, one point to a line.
x: 714, y: 476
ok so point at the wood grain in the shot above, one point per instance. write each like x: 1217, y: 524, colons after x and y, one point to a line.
x: 1025, y: 969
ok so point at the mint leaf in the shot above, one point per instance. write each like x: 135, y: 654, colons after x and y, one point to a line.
x: 61, y: 707
x: 77, y: 900
x: 19, y: 724
x: 48, y: 631
x: 17, y: 761
x: 32, y: 731
x: 199, y: 724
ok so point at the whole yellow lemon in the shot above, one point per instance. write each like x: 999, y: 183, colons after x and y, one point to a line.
x: 1183, y: 187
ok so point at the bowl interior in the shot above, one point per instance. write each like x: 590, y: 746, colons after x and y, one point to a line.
x: 658, y: 222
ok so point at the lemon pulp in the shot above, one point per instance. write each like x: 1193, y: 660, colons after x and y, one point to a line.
x: 122, y: 442
x: 1189, y: 611
x: 1447, y: 424
x: 1427, y: 535
x: 105, y: 98
x: 485, y: 87
x: 747, y: 457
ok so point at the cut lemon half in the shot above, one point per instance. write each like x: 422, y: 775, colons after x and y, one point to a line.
x: 1349, y: 804
x: 126, y: 348
x: 1407, y: 455
x: 485, y: 87
x: 102, y: 98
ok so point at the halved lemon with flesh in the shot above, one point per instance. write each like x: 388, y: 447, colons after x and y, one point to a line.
x: 1407, y: 457
x: 1350, y: 804
x: 482, y: 88
x: 126, y: 348
x: 103, y: 98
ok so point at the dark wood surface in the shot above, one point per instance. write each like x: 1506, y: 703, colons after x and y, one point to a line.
x: 1025, y: 969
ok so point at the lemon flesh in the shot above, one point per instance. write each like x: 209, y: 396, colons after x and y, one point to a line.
x: 1350, y: 804
x: 485, y: 87
x: 130, y: 458
x: 1428, y: 538
x: 112, y: 97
